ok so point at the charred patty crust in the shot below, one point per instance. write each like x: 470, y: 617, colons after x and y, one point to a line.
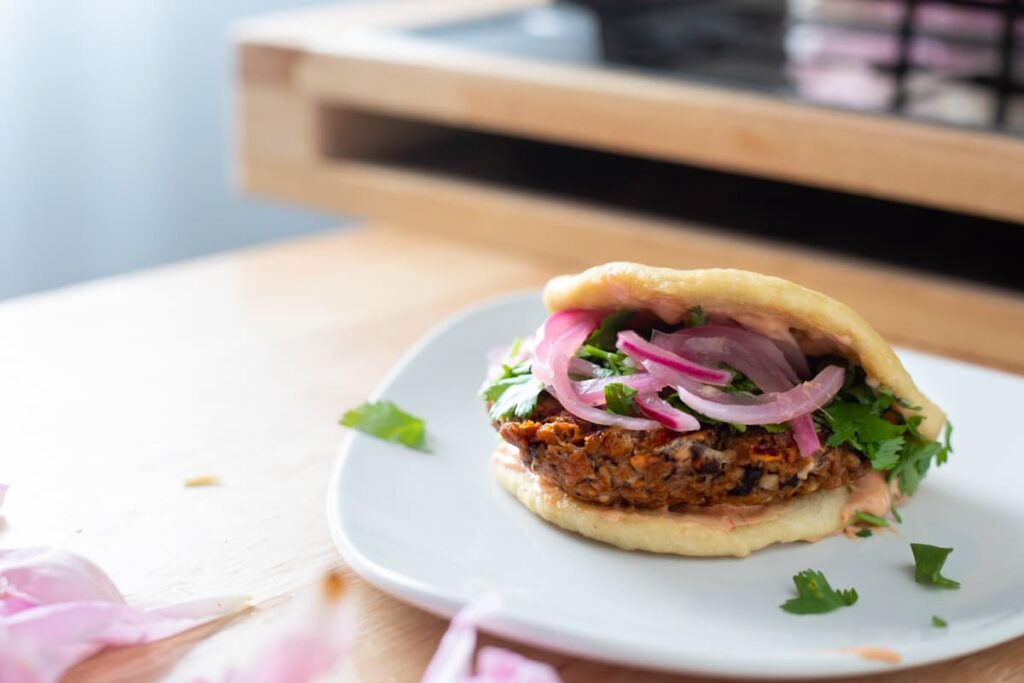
x: 658, y: 468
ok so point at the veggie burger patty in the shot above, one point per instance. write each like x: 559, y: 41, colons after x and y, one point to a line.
x: 658, y: 468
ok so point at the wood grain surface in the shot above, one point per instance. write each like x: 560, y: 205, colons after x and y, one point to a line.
x: 340, y: 55
x: 116, y: 392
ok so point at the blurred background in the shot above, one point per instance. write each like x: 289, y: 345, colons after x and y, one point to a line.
x: 116, y: 124
x: 115, y: 139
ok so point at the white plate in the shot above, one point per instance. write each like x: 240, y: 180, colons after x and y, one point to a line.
x: 437, y: 530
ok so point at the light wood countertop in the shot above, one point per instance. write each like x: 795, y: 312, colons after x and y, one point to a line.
x: 238, y: 366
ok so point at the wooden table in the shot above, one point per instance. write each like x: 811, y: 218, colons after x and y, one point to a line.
x: 238, y: 366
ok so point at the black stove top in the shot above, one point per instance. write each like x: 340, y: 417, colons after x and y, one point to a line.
x: 954, y: 62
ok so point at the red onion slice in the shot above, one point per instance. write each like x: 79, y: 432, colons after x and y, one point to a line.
x: 634, y: 345
x: 791, y: 350
x: 553, y: 370
x: 591, y: 391
x: 654, y: 406
x: 758, y: 357
x: 805, y: 435
x: 584, y: 368
x: 736, y: 342
x: 555, y: 326
x: 768, y: 408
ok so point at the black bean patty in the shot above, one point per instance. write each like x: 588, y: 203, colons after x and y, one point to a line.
x: 658, y: 468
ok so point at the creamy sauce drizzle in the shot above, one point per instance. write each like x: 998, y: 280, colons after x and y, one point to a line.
x: 868, y: 494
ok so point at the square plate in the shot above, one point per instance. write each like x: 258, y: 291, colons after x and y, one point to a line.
x: 437, y: 530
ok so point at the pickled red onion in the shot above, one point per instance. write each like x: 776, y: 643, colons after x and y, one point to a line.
x: 551, y: 366
x: 584, y: 368
x: 591, y: 391
x: 805, y: 435
x: 661, y: 410
x: 733, y: 345
x: 635, y: 346
x: 768, y: 408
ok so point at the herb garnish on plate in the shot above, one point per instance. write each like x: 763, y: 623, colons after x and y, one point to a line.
x: 928, y: 561
x: 816, y: 596
x: 385, y: 420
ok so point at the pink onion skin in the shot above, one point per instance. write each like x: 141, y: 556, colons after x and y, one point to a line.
x: 553, y: 370
x: 635, y: 346
x: 802, y: 399
x: 57, y: 609
x: 46, y: 576
x: 453, y: 660
x: 805, y: 435
x: 498, y: 665
x: 310, y: 644
x: 661, y: 410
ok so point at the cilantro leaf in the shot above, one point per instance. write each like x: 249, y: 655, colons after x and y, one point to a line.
x: 928, y: 561
x: 864, y: 533
x: 776, y: 429
x: 869, y: 518
x: 517, y: 346
x: 939, y: 622
x: 865, y: 419
x: 887, y: 453
x: 385, y: 420
x: 514, y: 396
x: 618, y: 398
x: 947, y: 447
x: 740, y: 383
x: 697, y: 317
x: 913, y: 422
x: 606, y: 334
x: 859, y: 425
x: 614, y: 362
x: 514, y: 392
x: 816, y: 596
x: 917, y: 458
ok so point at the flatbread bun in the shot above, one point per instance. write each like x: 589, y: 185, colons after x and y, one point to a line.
x: 770, y: 305
x: 739, y: 533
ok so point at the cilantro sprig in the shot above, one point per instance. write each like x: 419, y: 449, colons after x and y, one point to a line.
x: 385, y: 420
x: 865, y: 419
x: 816, y: 596
x: 928, y: 562
x: 619, y: 398
x: 607, y: 332
x: 610, y: 363
x: 917, y: 459
x: 600, y: 347
x: 868, y: 518
x: 513, y: 392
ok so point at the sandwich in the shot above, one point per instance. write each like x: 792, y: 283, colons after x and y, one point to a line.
x: 706, y: 413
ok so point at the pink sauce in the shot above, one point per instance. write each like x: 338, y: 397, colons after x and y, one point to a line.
x: 875, y: 654
x: 868, y: 494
